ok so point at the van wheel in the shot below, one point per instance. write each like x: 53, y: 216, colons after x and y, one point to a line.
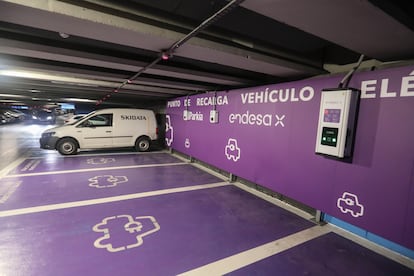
x: 142, y: 144
x: 67, y: 146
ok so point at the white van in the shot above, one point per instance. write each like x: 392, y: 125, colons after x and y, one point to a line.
x: 105, y: 128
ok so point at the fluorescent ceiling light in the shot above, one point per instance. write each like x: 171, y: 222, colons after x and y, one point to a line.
x: 11, y: 101
x: 79, y: 100
x: 12, y: 96
x: 63, y: 35
x: 58, y: 79
x: 41, y: 99
x: 22, y: 74
x: 72, y: 83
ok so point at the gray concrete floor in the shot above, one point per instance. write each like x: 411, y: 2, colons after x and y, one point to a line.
x: 18, y: 140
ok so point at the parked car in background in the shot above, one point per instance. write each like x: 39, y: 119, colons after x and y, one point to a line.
x: 3, y: 119
x: 8, y: 116
x: 59, y: 111
x: 44, y: 116
x: 19, y: 115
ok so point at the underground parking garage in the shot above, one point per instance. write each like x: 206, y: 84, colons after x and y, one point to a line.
x: 281, y: 161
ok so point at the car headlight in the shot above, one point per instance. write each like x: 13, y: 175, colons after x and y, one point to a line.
x: 48, y: 134
x: 49, y: 118
x: 34, y: 117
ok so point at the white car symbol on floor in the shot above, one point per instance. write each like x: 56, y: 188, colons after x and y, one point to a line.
x: 134, y: 227
x: 106, y: 181
x: 100, y: 161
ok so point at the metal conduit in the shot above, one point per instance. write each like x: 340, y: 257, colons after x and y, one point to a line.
x: 223, y: 11
x: 170, y: 51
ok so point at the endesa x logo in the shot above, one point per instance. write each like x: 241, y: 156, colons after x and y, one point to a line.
x: 279, y: 120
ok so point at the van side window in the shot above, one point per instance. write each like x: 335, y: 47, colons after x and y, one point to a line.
x: 99, y: 120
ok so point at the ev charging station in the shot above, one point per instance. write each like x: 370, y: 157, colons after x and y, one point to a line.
x: 186, y: 112
x: 214, y: 115
x: 337, y: 122
x: 186, y: 115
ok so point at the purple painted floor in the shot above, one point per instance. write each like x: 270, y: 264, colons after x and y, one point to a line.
x: 59, y: 163
x: 118, y: 216
x: 196, y: 228
x: 329, y: 254
x: 38, y: 190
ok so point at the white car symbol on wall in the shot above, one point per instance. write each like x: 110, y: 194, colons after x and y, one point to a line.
x: 169, y: 131
x: 348, y: 203
x: 232, y: 151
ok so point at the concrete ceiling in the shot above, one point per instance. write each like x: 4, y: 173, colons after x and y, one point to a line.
x: 109, y: 52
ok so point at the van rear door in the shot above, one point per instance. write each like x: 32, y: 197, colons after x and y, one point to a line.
x: 96, y: 131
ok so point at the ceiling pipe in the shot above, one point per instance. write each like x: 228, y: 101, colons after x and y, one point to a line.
x: 165, y: 54
x: 223, y: 11
x: 303, y: 61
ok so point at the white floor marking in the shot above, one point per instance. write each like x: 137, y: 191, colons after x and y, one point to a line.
x: 100, y: 154
x: 11, y: 166
x: 256, y: 254
x: 13, y: 187
x: 44, y: 208
x: 95, y: 169
x: 106, y: 181
x: 134, y: 226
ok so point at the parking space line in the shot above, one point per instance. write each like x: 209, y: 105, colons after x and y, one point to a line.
x: 44, y: 208
x: 12, y: 166
x: 96, y: 169
x: 102, y: 153
x: 4, y: 197
x: 256, y: 254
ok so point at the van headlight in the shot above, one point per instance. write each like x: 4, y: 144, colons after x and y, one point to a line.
x: 48, y: 134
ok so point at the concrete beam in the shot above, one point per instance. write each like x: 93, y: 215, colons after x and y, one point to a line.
x: 58, y: 16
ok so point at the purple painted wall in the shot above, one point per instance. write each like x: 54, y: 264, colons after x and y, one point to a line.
x: 275, y: 128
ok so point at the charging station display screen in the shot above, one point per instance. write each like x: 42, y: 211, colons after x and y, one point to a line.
x: 331, y: 115
x: 329, y: 136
